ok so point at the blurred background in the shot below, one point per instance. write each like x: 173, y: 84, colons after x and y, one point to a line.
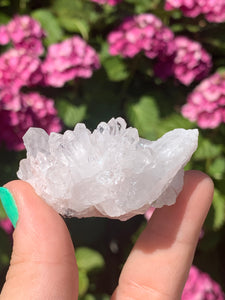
x: 158, y: 64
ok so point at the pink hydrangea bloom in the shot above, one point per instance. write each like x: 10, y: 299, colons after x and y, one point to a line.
x: 143, y: 32
x: 6, y: 225
x: 110, y: 2
x: 17, y: 69
x: 206, y: 104
x: 26, y: 33
x: 22, y: 112
x: 200, y: 286
x: 190, y: 62
x: 4, y: 35
x: 213, y: 10
x: 68, y: 60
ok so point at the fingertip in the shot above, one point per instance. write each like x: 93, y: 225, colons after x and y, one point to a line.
x: 166, y: 247
x: 42, y: 249
x: 38, y: 223
x: 30, y: 206
x: 196, y: 177
x: 197, y: 182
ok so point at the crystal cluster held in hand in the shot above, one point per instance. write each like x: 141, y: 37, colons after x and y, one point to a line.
x: 111, y: 172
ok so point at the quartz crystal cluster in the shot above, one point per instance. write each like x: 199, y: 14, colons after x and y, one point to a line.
x: 110, y: 172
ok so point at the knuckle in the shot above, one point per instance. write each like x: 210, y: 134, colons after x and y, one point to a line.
x: 131, y: 290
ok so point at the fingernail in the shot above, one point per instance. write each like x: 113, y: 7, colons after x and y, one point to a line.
x: 9, y: 205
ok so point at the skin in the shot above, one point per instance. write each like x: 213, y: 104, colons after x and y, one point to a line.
x: 43, y: 264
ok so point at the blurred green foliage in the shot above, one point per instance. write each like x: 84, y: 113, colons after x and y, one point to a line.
x: 127, y: 88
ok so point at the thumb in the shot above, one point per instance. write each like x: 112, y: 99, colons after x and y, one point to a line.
x: 43, y: 264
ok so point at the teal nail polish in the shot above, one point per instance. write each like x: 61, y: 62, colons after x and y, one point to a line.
x: 9, y: 205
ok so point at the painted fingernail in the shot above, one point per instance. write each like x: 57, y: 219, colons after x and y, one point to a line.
x: 9, y: 205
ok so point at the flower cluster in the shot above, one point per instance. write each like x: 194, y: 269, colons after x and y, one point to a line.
x: 4, y: 36
x: 200, y: 286
x: 190, y: 62
x: 25, y: 33
x: 21, y: 67
x: 110, y: 2
x: 213, y: 10
x: 67, y: 60
x: 22, y: 111
x: 18, y: 68
x: 206, y: 104
x: 138, y: 33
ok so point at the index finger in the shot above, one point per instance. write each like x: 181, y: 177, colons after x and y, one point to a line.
x: 158, y: 265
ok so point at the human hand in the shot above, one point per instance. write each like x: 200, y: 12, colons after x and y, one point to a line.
x: 43, y: 264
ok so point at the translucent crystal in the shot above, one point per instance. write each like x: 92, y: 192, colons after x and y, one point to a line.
x: 110, y: 172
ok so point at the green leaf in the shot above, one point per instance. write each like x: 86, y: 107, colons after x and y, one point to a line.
x: 83, y: 282
x: 96, y: 297
x: 206, y: 149
x: 2, y: 212
x: 177, y: 27
x: 4, y: 3
x: 88, y: 297
x: 115, y: 68
x: 144, y: 5
x: 50, y: 24
x: 210, y: 241
x: 102, y: 97
x: 216, y: 216
x: 221, y: 70
x: 192, y: 28
x: 217, y: 168
x: 89, y: 259
x: 80, y: 9
x: 5, y: 248
x: 68, y: 7
x: 144, y: 116
x: 69, y: 113
x: 213, y: 36
x: 4, y: 18
x: 77, y: 25
x: 172, y: 122
x: 219, y: 209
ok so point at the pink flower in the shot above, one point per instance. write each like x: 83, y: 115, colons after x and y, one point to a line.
x: 200, y: 286
x: 143, y: 32
x: 110, y: 2
x: 73, y: 58
x: 214, y: 10
x: 190, y: 62
x: 26, y: 33
x: 6, y: 225
x: 4, y: 35
x: 17, y: 69
x: 20, y: 112
x: 206, y: 104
